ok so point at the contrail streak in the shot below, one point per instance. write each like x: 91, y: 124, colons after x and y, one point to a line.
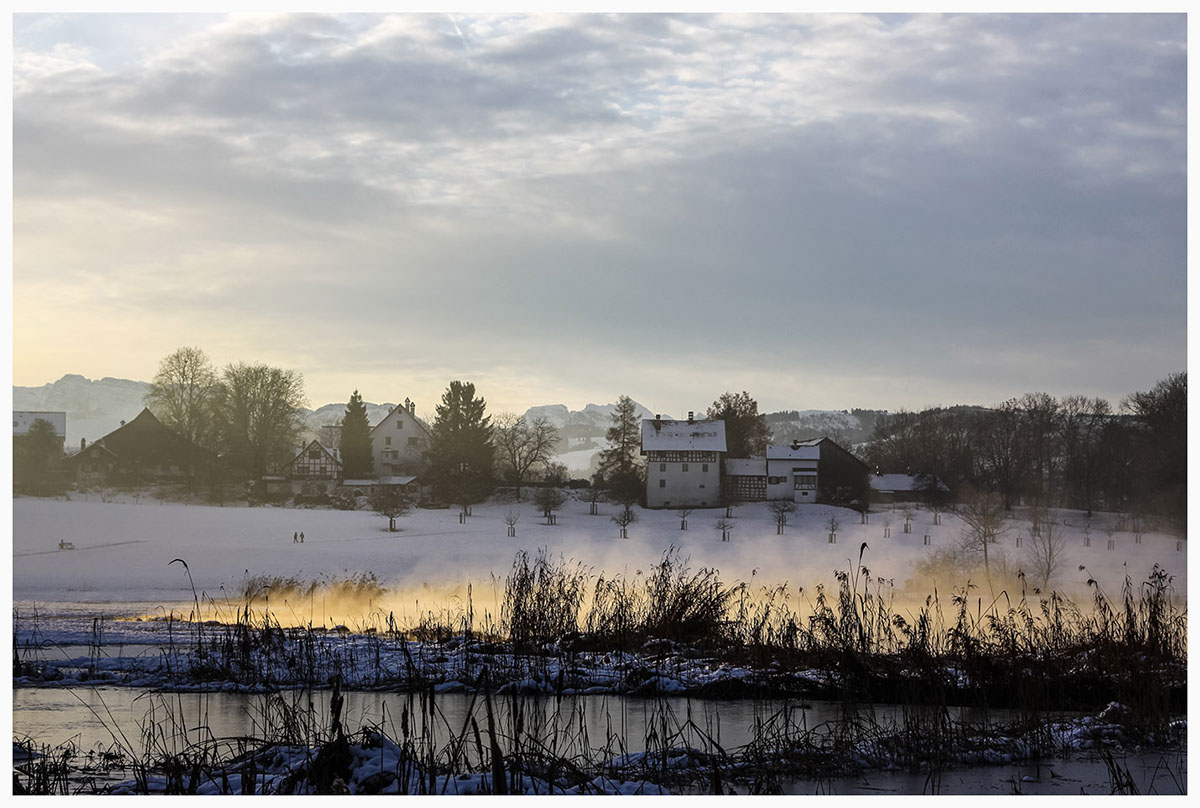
x: 458, y: 31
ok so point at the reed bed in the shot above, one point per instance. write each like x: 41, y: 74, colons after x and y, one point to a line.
x: 562, y: 630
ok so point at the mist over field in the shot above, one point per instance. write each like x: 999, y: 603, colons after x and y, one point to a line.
x: 123, y: 552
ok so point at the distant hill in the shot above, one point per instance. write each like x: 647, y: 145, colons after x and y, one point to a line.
x: 846, y: 427
x: 93, y: 408
x: 96, y: 407
x: 590, y: 422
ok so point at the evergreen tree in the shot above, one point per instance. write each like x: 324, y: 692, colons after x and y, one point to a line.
x: 355, y: 441
x: 745, y: 429
x: 621, y: 469
x: 35, y: 452
x: 461, y: 451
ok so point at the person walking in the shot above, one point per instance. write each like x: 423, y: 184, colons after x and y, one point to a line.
x: 302, y: 537
x: 295, y: 537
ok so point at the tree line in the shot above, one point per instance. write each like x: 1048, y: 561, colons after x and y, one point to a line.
x: 1074, y: 452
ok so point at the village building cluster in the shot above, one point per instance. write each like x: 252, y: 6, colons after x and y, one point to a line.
x: 687, y: 466
x: 687, y: 463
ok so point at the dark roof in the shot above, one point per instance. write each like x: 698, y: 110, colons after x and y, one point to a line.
x: 822, y: 442
x: 146, y: 440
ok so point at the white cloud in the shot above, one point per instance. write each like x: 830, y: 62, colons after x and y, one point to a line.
x: 546, y: 164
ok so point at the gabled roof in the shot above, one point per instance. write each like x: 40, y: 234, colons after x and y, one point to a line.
x: 410, y: 414
x: 801, y: 450
x: 329, y: 453
x: 666, y: 435
x: 146, y: 438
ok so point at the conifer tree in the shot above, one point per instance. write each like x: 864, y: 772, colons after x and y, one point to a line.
x: 461, y: 450
x: 621, y: 469
x: 355, y: 440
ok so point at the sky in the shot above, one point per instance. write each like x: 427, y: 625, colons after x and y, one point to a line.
x: 828, y: 211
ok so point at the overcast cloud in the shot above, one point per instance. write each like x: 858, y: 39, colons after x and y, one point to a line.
x: 827, y: 211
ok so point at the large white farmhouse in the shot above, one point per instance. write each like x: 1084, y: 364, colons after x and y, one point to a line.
x: 399, y: 442
x: 683, y: 462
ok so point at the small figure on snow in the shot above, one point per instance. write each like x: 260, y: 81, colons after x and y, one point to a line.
x: 295, y: 538
x: 302, y: 537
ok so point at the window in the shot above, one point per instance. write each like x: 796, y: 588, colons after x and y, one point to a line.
x: 387, y: 441
x: 414, y: 441
x: 662, y: 483
x: 314, y: 454
x: 704, y: 467
x: 701, y: 485
x: 662, y: 466
x: 685, y: 465
x: 399, y: 424
x: 806, y: 482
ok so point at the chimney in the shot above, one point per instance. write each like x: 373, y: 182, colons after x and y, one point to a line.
x: 795, y: 443
x: 122, y: 423
x: 412, y: 407
x: 82, y: 444
x: 657, y: 416
x: 691, y: 417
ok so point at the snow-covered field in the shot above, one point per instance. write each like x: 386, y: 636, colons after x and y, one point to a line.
x: 123, y: 550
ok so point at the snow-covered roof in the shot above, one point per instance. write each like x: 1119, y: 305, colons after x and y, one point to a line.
x: 396, y: 480
x: 802, y: 450
x: 746, y: 466
x: 665, y: 435
x: 359, y: 483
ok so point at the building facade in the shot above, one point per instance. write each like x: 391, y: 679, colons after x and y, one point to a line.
x: 399, y: 443
x: 815, y: 470
x: 143, y: 450
x: 683, y: 462
x: 315, y: 470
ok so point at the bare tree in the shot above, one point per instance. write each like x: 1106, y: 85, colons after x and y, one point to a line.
x: 522, y: 445
x: 684, y: 513
x: 624, y: 519
x: 781, y: 509
x: 725, y: 525
x: 982, y: 513
x: 1047, y: 551
x: 392, y: 503
x: 908, y: 513
x: 511, y: 518
x: 259, y: 413
x: 183, y: 395
x: 549, y: 500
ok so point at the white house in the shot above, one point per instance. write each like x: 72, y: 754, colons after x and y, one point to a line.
x: 683, y: 462
x: 399, y: 442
